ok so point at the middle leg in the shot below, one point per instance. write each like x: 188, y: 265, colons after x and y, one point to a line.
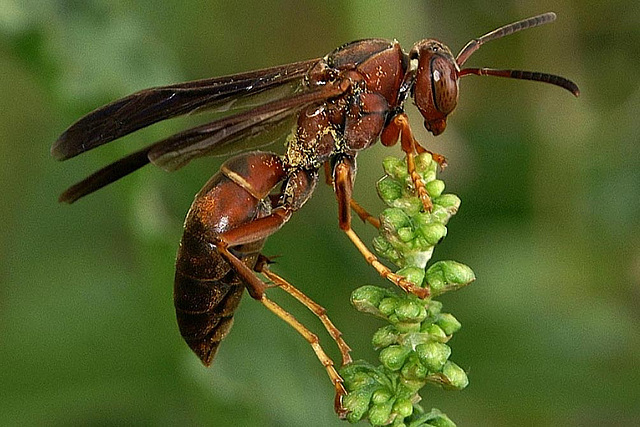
x: 343, y: 173
x: 355, y: 206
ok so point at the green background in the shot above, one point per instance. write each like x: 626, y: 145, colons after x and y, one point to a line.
x: 549, y: 220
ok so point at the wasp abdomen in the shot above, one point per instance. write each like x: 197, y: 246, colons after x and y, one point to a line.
x: 204, y: 311
x: 207, y: 290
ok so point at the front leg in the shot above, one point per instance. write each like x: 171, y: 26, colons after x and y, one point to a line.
x: 399, y: 128
x: 343, y: 176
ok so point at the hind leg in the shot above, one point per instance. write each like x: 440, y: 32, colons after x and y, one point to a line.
x: 256, y: 288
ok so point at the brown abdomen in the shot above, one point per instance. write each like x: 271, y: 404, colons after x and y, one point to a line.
x: 205, y: 306
x: 206, y: 290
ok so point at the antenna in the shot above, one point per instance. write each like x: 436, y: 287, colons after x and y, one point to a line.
x: 506, y: 30
x: 475, y: 44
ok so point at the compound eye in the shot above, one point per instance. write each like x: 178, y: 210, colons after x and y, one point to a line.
x: 444, y: 84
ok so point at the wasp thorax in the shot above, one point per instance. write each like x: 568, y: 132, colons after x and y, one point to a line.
x: 435, y: 90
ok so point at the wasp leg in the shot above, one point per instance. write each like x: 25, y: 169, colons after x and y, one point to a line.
x: 312, y: 339
x: 399, y: 127
x: 438, y: 158
x: 297, y: 189
x: 256, y: 289
x: 314, y: 307
x: 344, y: 171
x: 393, y: 130
x: 328, y: 177
x: 364, y: 215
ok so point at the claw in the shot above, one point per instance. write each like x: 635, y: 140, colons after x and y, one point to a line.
x: 337, y: 404
x: 440, y: 160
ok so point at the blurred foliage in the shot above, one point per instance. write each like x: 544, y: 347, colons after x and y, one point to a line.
x: 550, y: 222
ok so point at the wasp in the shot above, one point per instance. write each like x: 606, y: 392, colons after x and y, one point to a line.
x: 334, y: 107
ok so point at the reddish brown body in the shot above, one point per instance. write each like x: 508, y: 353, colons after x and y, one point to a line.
x: 207, y: 291
x: 352, y: 121
x: 343, y: 103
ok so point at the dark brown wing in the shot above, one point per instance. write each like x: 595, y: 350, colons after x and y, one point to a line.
x: 269, y: 120
x: 149, y: 106
x: 177, y: 150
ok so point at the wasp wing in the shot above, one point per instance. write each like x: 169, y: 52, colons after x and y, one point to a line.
x: 149, y: 106
x: 268, y: 121
x: 211, y: 138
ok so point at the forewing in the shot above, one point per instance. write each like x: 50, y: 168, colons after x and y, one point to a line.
x: 216, y: 137
x: 149, y: 106
x: 265, y: 123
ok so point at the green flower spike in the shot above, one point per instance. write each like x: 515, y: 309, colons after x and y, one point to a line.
x: 413, y: 344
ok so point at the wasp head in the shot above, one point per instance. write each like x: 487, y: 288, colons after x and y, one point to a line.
x: 435, y: 90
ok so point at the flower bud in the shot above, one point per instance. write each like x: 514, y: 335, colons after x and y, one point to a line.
x: 357, y: 403
x: 424, y: 162
x: 382, y: 395
x: 384, y: 337
x: 393, y: 219
x: 435, y: 332
x: 411, y: 311
x: 455, y: 375
x: 444, y: 276
x: 407, y: 327
x: 379, y: 414
x: 393, y: 357
x: 395, y: 168
x: 413, y: 274
x: 433, y: 232
x: 433, y: 308
x: 433, y: 355
x: 448, y: 323
x: 357, y: 375
x: 434, y: 188
x: 403, y: 407
x: 414, y: 370
x: 410, y: 205
x: 381, y: 245
x: 441, y: 214
x: 449, y: 201
x: 406, y: 234
x: 367, y: 299
x: 428, y: 176
x: 389, y: 189
x: 388, y: 305
x: 386, y: 250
